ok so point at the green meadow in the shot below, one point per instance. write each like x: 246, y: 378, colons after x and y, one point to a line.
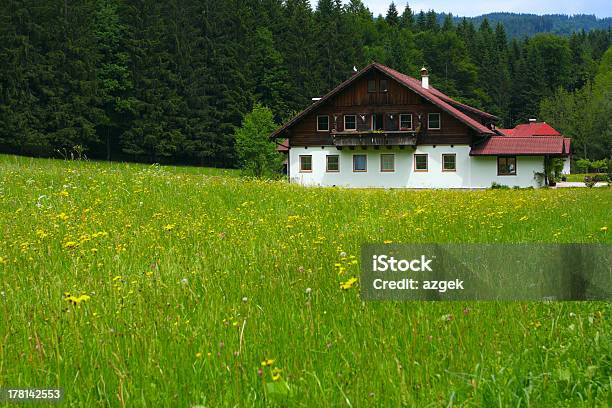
x: 134, y: 285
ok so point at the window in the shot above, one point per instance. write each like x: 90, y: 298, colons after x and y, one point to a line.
x: 506, y: 166
x: 305, y: 164
x: 387, y: 162
x: 433, y: 121
x: 449, y: 162
x: 383, y: 85
x: 420, y: 162
x: 350, y: 122
x: 405, y: 121
x: 323, y: 123
x: 372, y: 85
x: 333, y: 163
x: 360, y: 162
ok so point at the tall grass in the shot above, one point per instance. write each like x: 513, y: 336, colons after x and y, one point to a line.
x: 194, y: 280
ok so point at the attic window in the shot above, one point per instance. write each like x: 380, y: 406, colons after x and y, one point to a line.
x: 372, y: 85
x: 433, y: 121
x: 322, y: 123
x: 384, y: 85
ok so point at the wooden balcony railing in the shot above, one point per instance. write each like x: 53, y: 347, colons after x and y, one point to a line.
x: 374, y: 138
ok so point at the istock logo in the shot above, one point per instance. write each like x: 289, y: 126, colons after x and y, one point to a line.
x: 383, y: 263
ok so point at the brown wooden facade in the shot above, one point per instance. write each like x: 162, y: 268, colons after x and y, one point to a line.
x: 355, y: 99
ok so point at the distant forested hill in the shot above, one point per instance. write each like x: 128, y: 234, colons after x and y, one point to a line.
x: 520, y: 25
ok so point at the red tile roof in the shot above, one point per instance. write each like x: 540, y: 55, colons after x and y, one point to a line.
x: 433, y: 95
x: 523, y: 146
x: 506, y: 132
x: 535, y: 129
x: 283, y: 146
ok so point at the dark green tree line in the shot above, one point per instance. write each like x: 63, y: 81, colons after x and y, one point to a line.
x: 171, y: 81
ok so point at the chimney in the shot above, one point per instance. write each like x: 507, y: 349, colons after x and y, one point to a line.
x: 424, y: 78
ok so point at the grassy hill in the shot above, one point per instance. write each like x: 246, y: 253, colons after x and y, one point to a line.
x: 131, y: 285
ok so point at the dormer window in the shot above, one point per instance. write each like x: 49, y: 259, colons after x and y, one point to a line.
x: 350, y: 122
x: 433, y: 121
x: 322, y: 123
x: 384, y: 87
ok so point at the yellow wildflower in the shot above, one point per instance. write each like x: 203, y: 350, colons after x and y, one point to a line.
x: 348, y: 284
x: 276, y: 374
x: 267, y: 362
x: 70, y: 245
x: 604, y: 229
x: 169, y: 227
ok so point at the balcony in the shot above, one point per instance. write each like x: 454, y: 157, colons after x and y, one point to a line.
x: 374, y: 138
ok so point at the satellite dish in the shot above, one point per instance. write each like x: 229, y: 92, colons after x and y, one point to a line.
x: 354, y: 68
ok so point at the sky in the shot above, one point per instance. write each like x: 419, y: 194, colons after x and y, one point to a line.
x: 601, y: 8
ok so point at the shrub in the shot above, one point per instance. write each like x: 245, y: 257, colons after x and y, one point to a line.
x: 497, y: 186
x: 256, y: 152
x: 589, y: 181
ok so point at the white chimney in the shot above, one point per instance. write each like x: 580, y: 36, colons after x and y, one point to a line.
x: 424, y: 78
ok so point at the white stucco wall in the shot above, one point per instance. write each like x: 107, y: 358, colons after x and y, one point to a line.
x: 566, y: 165
x: 472, y: 172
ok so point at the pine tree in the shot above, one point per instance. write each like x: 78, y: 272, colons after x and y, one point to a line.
x: 392, y: 17
x: 407, y: 18
x: 271, y: 88
x: 113, y: 76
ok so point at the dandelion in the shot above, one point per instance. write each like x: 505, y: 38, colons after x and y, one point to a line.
x: 604, y: 229
x: 76, y: 300
x: 276, y: 374
x: 348, y: 284
x: 169, y: 227
x: 308, y: 290
x: 387, y: 242
x: 70, y: 245
x: 198, y: 355
x: 245, y: 299
x: 267, y: 362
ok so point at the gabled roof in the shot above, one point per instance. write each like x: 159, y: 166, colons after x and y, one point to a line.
x: 535, y: 129
x: 432, y: 95
x: 523, y: 146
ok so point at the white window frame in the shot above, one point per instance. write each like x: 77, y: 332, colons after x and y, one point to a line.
x: 414, y: 158
x: 327, y: 163
x: 449, y: 170
x: 439, y: 121
x: 350, y: 130
x: 400, y: 121
x: 322, y: 130
x: 392, y: 170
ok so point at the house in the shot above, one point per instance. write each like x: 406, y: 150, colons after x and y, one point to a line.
x: 381, y: 128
